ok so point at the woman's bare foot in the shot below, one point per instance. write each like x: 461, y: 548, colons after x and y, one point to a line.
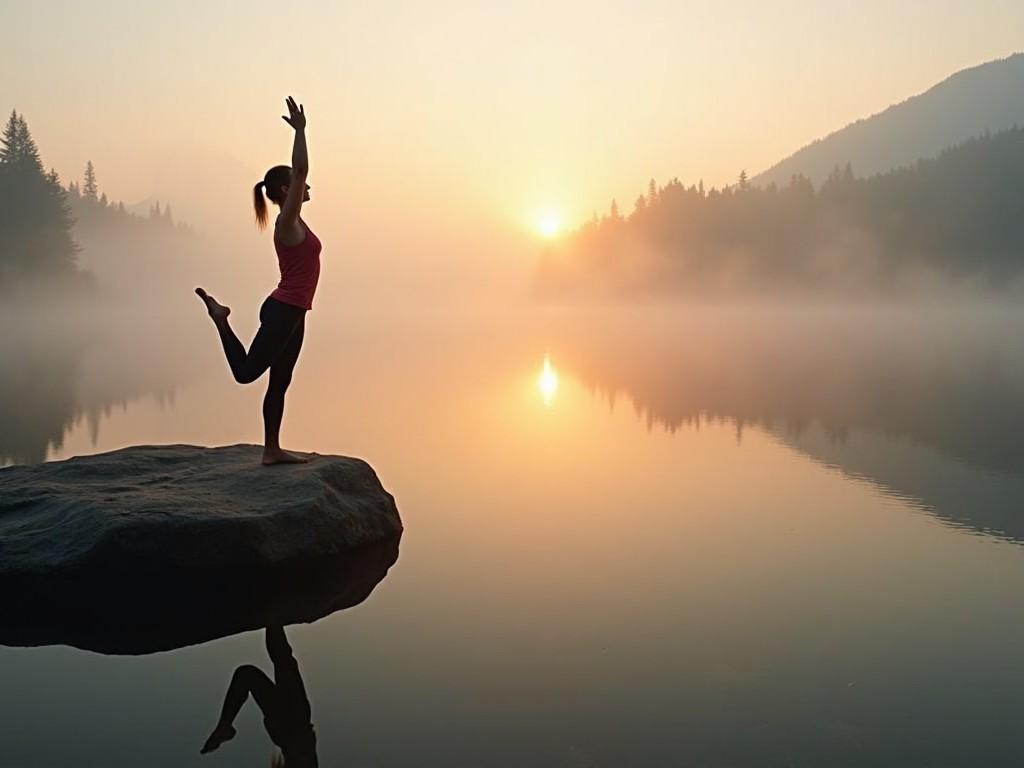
x: 217, y: 311
x: 219, y: 736
x: 277, y: 456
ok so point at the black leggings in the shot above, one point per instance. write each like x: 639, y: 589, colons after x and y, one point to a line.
x: 275, y: 346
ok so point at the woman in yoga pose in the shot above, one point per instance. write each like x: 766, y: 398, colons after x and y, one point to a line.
x: 283, y: 314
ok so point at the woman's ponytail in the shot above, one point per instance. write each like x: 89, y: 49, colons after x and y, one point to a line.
x: 260, y: 203
x: 273, y: 184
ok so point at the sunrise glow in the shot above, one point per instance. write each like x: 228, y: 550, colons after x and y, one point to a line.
x: 548, y: 224
x: 547, y: 382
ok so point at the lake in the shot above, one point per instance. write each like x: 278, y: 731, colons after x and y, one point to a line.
x: 635, y: 536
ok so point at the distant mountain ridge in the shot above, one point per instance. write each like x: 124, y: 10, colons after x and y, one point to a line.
x: 988, y: 97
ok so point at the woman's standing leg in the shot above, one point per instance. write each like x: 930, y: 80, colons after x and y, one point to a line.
x: 273, y: 402
x: 287, y: 678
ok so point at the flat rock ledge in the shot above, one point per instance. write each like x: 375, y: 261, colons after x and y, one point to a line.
x: 153, y: 547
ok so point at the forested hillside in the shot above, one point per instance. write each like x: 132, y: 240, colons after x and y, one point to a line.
x: 955, y: 217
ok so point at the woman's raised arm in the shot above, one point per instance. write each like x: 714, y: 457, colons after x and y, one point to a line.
x: 300, y: 167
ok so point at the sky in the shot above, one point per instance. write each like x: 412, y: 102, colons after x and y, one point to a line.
x: 463, y: 124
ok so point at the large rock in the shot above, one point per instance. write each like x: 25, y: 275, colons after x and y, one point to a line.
x: 153, y: 547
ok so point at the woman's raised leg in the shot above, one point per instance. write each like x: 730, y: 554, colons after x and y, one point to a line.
x: 277, y: 323
x: 246, y: 679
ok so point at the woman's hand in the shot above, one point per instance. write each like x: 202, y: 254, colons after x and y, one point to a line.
x: 296, y: 115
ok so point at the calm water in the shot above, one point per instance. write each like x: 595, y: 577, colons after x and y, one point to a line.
x: 693, y: 538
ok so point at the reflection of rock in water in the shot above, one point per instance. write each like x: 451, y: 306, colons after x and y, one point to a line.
x: 56, y: 373
x: 949, y: 385
x: 154, y: 547
x: 150, y: 615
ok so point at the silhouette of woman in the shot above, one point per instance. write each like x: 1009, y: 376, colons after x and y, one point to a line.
x: 283, y: 701
x: 283, y: 314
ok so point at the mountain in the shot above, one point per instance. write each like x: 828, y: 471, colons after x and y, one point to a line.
x: 989, y: 97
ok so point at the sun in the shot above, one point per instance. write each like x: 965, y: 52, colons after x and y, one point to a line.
x: 548, y: 224
x: 547, y: 381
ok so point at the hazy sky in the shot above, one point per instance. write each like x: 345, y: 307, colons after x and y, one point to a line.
x: 454, y: 119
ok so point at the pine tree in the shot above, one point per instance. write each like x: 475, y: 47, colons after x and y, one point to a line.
x: 652, y: 192
x: 35, y: 221
x: 19, y: 150
x: 614, y: 212
x: 743, y: 180
x: 29, y: 153
x: 11, y: 140
x: 90, y: 190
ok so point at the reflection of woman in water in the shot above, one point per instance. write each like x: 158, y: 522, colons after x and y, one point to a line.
x: 283, y: 314
x: 285, y: 707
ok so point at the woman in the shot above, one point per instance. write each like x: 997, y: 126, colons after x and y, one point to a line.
x: 283, y: 314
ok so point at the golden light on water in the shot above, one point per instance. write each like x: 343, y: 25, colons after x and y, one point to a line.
x: 547, y: 382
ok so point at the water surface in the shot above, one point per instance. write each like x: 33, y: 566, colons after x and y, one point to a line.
x: 708, y: 537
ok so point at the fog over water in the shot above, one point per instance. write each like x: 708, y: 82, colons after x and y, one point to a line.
x: 785, y: 517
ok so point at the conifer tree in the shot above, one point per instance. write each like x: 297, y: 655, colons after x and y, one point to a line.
x: 90, y: 190
x: 35, y: 222
x: 29, y: 153
x: 18, y: 149
x: 9, y: 143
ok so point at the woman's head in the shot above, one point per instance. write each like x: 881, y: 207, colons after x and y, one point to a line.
x: 275, y: 183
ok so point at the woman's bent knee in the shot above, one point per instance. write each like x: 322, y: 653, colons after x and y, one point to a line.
x: 247, y: 673
x: 246, y: 376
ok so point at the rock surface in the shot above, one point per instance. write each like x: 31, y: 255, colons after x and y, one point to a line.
x: 153, y: 547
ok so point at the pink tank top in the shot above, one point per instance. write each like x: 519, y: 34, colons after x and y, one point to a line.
x: 300, y: 270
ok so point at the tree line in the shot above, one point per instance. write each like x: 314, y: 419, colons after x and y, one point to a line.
x: 39, y: 216
x: 90, y: 206
x: 957, y: 215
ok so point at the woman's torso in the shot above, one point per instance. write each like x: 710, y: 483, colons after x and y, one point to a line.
x: 300, y: 269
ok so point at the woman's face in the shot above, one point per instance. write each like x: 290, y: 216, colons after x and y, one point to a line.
x: 305, y: 197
